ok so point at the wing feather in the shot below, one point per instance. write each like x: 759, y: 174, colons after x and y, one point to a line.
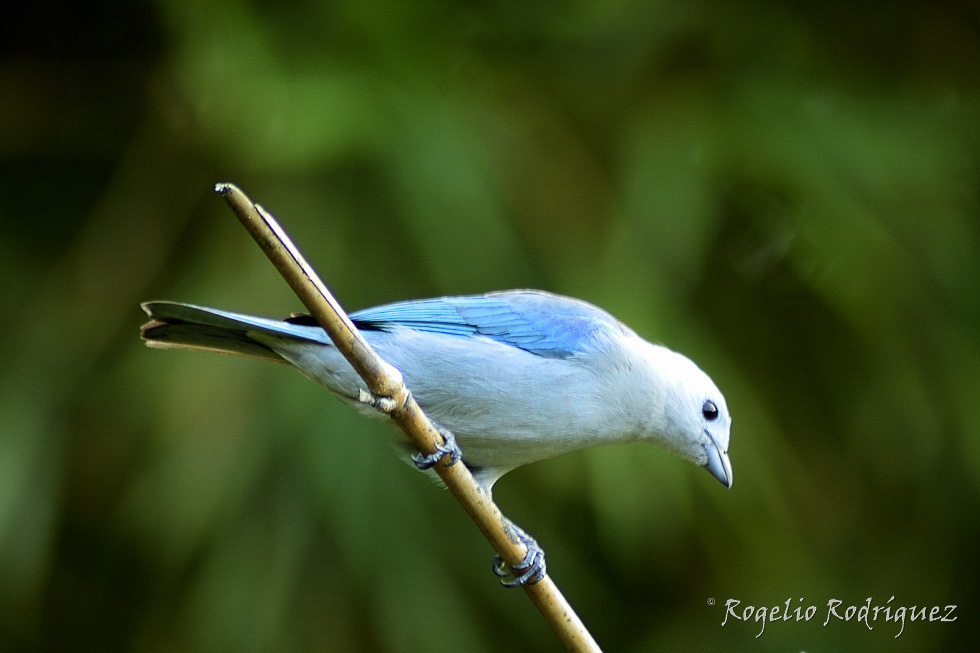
x: 538, y: 322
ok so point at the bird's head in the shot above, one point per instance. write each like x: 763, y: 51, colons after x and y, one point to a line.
x: 693, y: 421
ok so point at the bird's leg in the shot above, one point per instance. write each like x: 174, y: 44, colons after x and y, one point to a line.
x: 448, y: 447
x: 423, y: 461
x: 529, y: 570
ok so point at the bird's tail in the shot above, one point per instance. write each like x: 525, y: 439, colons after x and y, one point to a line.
x: 174, y: 325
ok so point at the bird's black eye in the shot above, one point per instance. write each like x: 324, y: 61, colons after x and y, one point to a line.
x: 709, y: 410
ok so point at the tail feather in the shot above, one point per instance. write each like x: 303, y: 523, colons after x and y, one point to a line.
x: 174, y: 325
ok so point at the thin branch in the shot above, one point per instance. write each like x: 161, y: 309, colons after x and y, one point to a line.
x: 384, y: 381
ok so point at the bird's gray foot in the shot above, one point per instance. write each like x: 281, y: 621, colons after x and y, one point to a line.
x: 529, y: 570
x: 449, y: 447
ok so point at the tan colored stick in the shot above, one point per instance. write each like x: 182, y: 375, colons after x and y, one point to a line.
x: 385, y: 382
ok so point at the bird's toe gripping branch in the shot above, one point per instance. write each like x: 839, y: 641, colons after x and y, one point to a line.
x: 449, y: 447
x: 387, y: 405
x: 529, y: 570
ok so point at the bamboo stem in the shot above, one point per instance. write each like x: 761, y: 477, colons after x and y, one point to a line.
x: 385, y: 382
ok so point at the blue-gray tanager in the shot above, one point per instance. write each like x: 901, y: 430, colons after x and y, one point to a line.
x: 512, y: 377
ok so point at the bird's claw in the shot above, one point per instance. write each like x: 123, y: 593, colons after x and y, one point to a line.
x: 528, y: 571
x: 449, y: 447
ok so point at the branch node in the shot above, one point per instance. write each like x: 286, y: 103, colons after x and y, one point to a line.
x: 386, y: 405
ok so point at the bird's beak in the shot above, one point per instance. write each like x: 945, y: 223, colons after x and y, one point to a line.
x: 718, y: 464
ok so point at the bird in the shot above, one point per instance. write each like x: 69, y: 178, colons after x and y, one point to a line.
x: 507, y: 377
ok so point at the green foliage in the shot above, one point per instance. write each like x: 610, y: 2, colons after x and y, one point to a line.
x: 788, y: 193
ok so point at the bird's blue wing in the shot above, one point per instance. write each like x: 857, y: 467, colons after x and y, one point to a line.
x: 538, y: 322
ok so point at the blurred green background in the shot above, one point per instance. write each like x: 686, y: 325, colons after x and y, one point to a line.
x: 787, y: 192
